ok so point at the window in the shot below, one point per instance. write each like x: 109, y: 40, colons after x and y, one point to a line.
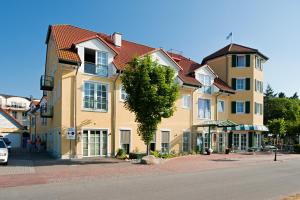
x: 206, y: 81
x: 221, y: 105
x: 95, y: 96
x: 240, y: 107
x: 204, y: 108
x: 240, y: 84
x: 125, y: 140
x: 94, y: 142
x: 258, y: 63
x: 95, y: 62
x: 123, y: 94
x: 258, y: 108
x: 259, y: 86
x: 153, y: 143
x: 236, y: 141
x: 186, y: 101
x: 44, y: 121
x: 165, y: 140
x: 206, y: 139
x: 240, y: 61
x: 14, y: 114
x: 186, y: 139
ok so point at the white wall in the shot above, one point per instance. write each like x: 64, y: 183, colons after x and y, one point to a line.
x: 163, y: 59
x: 97, y: 45
x: 5, y: 123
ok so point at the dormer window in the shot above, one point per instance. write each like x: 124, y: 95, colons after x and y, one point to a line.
x: 240, y: 60
x: 206, y: 81
x: 95, y: 62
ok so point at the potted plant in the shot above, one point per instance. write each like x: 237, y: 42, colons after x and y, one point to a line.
x: 208, y: 151
x: 227, y: 151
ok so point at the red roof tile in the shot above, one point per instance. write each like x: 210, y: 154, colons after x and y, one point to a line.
x: 232, y: 49
x: 66, y: 36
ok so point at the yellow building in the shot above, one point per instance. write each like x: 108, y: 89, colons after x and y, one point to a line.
x: 84, y: 99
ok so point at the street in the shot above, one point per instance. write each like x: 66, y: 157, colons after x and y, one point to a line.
x: 246, y: 180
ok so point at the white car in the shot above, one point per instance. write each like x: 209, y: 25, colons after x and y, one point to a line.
x: 3, y: 152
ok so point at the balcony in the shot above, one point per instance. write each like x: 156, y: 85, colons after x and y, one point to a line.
x: 46, y: 111
x: 46, y: 82
x: 92, y: 68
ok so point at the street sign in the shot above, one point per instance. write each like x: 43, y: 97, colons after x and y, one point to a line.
x: 71, y: 134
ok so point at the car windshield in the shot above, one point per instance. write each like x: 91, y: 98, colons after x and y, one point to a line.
x: 2, y: 145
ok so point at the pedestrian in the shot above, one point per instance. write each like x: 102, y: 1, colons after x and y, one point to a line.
x: 38, y: 143
x: 29, y: 145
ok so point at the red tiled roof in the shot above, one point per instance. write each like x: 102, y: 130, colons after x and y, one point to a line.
x: 12, y: 118
x: 232, y: 49
x: 219, y: 83
x: 66, y: 36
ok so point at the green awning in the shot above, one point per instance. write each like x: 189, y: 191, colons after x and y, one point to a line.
x: 217, y: 123
x: 245, y: 127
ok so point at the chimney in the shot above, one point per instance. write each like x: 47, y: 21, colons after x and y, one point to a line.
x: 117, y: 39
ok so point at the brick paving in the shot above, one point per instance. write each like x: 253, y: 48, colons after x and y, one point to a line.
x: 41, y: 170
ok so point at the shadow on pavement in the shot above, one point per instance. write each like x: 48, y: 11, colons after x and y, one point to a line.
x: 22, y: 158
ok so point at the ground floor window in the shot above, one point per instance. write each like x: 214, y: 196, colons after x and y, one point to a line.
x: 206, y: 135
x: 243, y: 142
x: 153, y: 143
x: 165, y: 140
x: 236, y: 141
x: 125, y: 140
x: 94, y: 142
x: 186, y: 142
x: 221, y: 142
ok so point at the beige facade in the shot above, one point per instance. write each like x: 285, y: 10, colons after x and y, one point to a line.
x: 104, y: 125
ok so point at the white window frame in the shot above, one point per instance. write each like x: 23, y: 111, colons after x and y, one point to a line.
x: 244, y: 85
x: 95, y: 109
x: 97, y: 63
x: 258, y: 110
x: 186, y: 101
x: 122, y: 92
x: 200, y: 117
x: 100, y: 146
x: 240, y: 66
x: 169, y: 146
x: 130, y: 137
x: 219, y: 101
x: 258, y: 63
x: 244, y: 107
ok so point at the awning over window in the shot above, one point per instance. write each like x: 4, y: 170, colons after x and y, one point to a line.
x: 217, y: 123
x: 244, y: 127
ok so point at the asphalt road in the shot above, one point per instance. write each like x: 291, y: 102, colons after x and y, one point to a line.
x: 260, y: 182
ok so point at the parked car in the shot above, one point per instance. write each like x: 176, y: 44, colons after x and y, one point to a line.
x: 7, y: 142
x: 269, y: 148
x: 3, y: 152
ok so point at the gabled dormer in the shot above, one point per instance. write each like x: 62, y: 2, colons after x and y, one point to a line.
x: 206, y: 76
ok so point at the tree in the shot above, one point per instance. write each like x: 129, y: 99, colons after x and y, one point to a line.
x: 152, y: 91
x: 277, y: 127
x: 269, y: 93
x: 281, y: 95
x: 295, y: 96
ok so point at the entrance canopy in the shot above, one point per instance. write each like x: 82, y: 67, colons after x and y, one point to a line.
x: 217, y: 123
x: 244, y: 127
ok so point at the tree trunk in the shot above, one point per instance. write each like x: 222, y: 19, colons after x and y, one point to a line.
x: 148, y: 150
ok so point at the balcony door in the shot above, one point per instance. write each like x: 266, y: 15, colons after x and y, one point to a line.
x: 94, y: 143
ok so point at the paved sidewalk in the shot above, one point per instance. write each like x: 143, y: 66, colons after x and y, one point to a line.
x: 47, y: 170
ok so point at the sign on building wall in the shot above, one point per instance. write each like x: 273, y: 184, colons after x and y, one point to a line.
x: 71, y: 134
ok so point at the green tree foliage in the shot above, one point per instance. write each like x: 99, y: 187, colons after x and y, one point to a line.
x: 281, y: 95
x: 277, y: 127
x: 295, y: 96
x: 269, y: 93
x: 152, y: 92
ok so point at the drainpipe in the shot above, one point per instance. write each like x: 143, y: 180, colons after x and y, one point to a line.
x: 75, y: 109
x: 114, y: 114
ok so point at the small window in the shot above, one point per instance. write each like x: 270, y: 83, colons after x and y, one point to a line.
x: 258, y: 63
x: 125, y: 140
x: 240, y: 61
x: 240, y: 107
x: 204, y: 108
x: 95, y: 96
x: 165, y: 140
x: 258, y: 108
x: 186, y: 101
x: 240, y: 84
x: 221, y: 105
x: 123, y: 94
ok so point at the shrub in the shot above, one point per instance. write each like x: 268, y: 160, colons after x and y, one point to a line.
x: 155, y: 153
x: 297, y: 148
x: 121, y: 154
x: 136, y: 155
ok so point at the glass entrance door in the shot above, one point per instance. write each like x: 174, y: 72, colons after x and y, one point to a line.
x: 243, y: 142
x: 220, y: 142
x: 94, y: 142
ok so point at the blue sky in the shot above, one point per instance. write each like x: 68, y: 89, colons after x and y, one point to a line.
x: 197, y: 28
